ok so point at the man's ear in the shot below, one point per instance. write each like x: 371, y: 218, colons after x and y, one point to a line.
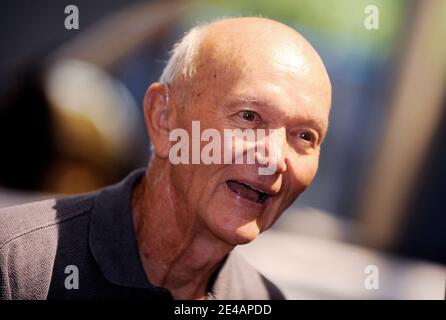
x: 156, y: 115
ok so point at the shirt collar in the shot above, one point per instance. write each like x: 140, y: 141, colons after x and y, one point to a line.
x: 112, y: 237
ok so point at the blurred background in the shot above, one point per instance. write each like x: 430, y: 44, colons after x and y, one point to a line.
x: 71, y: 122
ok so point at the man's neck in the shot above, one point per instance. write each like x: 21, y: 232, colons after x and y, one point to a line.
x: 176, y: 251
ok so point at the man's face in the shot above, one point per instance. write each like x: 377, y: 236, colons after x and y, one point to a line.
x: 291, y: 98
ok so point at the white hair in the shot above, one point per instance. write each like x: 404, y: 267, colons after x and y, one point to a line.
x: 182, y: 61
x: 183, y: 57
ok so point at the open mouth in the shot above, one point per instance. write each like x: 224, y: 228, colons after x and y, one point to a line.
x: 247, y: 192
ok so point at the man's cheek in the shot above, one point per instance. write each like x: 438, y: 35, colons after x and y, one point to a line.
x: 300, y: 178
x: 314, y: 169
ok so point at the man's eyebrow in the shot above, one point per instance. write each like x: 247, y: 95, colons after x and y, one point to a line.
x: 257, y: 101
x: 253, y: 101
x: 318, y: 124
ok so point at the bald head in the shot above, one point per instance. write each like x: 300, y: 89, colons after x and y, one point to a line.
x: 241, y: 40
x: 229, y: 48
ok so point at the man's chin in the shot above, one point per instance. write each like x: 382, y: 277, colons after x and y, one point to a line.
x: 242, y: 235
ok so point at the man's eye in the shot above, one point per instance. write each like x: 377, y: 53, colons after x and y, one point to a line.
x: 249, y: 115
x: 307, y: 136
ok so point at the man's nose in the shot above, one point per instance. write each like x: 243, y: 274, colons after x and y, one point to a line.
x: 282, y: 146
x: 278, y: 147
x: 281, y: 162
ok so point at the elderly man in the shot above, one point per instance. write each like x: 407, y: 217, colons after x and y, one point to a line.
x: 168, y: 231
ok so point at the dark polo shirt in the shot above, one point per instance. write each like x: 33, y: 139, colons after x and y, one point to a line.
x: 41, y: 241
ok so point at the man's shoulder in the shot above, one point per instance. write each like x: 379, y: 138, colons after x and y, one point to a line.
x: 29, y: 238
x: 25, y: 219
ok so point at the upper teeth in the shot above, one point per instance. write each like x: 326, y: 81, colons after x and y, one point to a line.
x: 261, y: 191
